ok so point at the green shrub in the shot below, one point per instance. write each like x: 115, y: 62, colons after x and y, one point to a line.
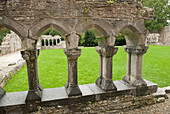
x: 120, y: 40
x: 88, y: 39
x: 52, y: 32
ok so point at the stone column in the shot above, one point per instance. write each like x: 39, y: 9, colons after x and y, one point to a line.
x: 71, y: 86
x: 105, y: 79
x: 2, y: 92
x: 99, y: 80
x: 134, y: 65
x: 35, y: 89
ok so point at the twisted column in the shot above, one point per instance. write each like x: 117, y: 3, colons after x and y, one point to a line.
x: 105, y: 79
x: 134, y: 65
x: 71, y: 85
x: 35, y: 89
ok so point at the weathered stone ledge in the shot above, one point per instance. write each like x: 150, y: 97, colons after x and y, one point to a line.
x: 7, y: 72
x: 124, y: 97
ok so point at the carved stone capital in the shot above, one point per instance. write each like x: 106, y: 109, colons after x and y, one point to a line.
x: 30, y: 54
x: 136, y: 50
x: 72, y: 53
x: 98, y: 50
x: 108, y: 51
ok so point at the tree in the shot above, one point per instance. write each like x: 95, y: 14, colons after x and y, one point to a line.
x: 88, y: 39
x: 161, y: 14
x: 120, y: 40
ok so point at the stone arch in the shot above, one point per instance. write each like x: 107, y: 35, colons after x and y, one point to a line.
x: 20, y: 30
x: 100, y: 25
x: 134, y: 32
x: 59, y: 25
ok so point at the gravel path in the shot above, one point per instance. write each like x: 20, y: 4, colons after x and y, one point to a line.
x: 5, y: 60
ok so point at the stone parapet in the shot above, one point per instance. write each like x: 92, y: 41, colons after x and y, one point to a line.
x: 93, y: 99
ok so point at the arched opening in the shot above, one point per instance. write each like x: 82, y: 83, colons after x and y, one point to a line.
x: 131, y: 72
x: 52, y: 62
x: 54, y: 42
x: 10, y: 47
x: 58, y: 41
x: 88, y: 62
x: 120, y: 40
x: 42, y: 42
x: 46, y: 42
x: 51, y: 43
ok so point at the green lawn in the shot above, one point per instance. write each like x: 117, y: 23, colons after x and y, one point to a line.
x: 53, y: 68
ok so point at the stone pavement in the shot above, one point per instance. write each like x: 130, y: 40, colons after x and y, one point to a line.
x: 10, y: 58
x: 10, y: 64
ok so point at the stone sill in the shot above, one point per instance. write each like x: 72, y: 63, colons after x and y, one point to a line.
x: 90, y: 92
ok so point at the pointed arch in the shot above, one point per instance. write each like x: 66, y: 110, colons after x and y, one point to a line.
x: 20, y: 30
x: 102, y: 26
x: 61, y: 26
x: 134, y: 32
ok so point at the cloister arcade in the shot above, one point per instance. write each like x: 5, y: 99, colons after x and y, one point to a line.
x: 72, y: 28
x: 50, y: 42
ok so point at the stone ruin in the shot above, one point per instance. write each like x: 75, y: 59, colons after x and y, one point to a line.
x: 11, y: 43
x: 165, y: 36
x: 152, y: 39
x: 50, y: 42
x: 159, y: 38
x: 29, y: 18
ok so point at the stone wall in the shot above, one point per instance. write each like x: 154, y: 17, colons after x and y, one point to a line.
x: 159, y: 38
x: 11, y: 43
x: 165, y: 36
x: 152, y: 39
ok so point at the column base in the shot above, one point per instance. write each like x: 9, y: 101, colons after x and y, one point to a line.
x: 99, y: 81
x: 2, y: 92
x: 106, y: 85
x: 73, y: 90
x: 134, y: 81
x: 34, y: 95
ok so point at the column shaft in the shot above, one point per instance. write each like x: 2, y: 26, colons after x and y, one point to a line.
x: 134, y: 65
x: 99, y: 80
x: 35, y: 89
x: 71, y: 86
x: 105, y: 80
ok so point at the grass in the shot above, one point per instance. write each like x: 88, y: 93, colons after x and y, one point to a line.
x: 53, y: 68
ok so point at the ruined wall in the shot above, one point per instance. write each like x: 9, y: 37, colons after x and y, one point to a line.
x: 11, y: 43
x: 50, y: 42
x: 28, y: 18
x: 165, y: 36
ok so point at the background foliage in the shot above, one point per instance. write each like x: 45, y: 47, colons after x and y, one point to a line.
x: 52, y: 32
x: 161, y: 14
